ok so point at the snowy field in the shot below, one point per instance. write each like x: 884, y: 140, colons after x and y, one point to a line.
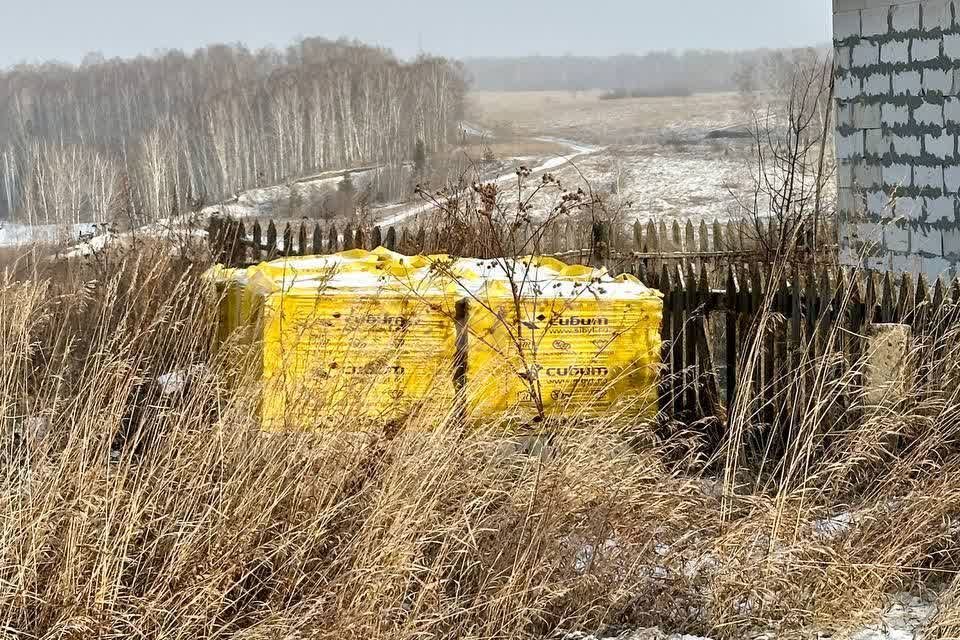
x: 16, y: 235
x: 654, y: 157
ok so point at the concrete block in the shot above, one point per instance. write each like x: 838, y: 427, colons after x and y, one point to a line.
x: 929, y: 113
x: 905, y: 17
x: 925, y: 49
x: 951, y: 45
x: 896, y: 238
x: 935, y: 267
x: 905, y: 83
x: 845, y: 204
x: 848, y: 87
x: 865, y: 54
x: 951, y: 243
x: 939, y: 81
x: 844, y: 175
x: 895, y: 52
x: 851, y: 146
x: 887, y: 374
x: 843, y: 57
x: 942, y: 209
x: 867, y: 232
x: 927, y: 242
x: 951, y: 179
x: 939, y: 146
x: 908, y: 208
x: 926, y: 177
x: 935, y: 15
x: 897, y: 175
x: 843, y: 114
x: 879, y: 204
x: 951, y: 110
x: 846, y: 25
x: 893, y: 114
x: 905, y: 145
x: 875, y: 22
x: 875, y: 143
x: 867, y: 176
x: 866, y: 116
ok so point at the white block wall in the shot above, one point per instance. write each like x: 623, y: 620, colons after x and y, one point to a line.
x: 898, y: 124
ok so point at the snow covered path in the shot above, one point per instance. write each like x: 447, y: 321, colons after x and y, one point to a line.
x: 577, y: 149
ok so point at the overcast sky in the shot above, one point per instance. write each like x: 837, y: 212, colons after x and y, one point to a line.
x: 65, y: 30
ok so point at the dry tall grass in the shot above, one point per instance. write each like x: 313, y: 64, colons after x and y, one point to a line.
x: 128, y: 514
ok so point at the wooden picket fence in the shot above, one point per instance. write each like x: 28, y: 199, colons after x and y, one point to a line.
x: 709, y: 326
x: 716, y: 244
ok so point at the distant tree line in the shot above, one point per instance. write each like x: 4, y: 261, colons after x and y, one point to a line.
x: 155, y: 136
x: 659, y: 73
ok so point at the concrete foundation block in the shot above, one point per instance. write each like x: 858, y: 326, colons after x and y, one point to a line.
x: 898, y: 175
x: 843, y: 57
x: 866, y: 54
x: 951, y: 110
x: 894, y: 52
x: 879, y: 204
x: 905, y: 17
x: 866, y: 175
x: 929, y: 113
x: 926, y: 49
x: 939, y: 146
x: 936, y: 15
x: 875, y: 22
x: 844, y: 175
x: 951, y: 243
x: 851, y: 146
x: 941, y: 210
x: 887, y: 373
x: 951, y: 178
x: 893, y: 114
x: 907, y: 208
x: 843, y: 114
x: 896, y: 238
x: 938, y: 81
x: 905, y: 145
x: 951, y: 45
x: 848, y: 87
x: 928, y: 242
x: 875, y: 143
x: 866, y: 116
x: 928, y: 177
x: 905, y: 83
x: 846, y: 25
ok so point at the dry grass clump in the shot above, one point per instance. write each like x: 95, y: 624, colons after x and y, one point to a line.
x: 130, y: 513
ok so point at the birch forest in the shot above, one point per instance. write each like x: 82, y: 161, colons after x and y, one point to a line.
x: 142, y: 139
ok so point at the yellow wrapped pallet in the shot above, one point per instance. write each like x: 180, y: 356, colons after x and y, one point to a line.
x: 366, y: 346
x: 377, y: 335
x: 577, y: 346
x: 237, y: 306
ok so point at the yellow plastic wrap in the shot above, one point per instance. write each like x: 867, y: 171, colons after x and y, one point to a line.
x: 369, y: 348
x: 579, y: 348
x: 376, y: 336
x: 237, y: 304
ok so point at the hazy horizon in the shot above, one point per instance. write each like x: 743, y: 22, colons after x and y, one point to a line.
x: 502, y: 29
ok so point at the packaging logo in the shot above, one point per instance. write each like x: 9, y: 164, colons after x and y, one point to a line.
x: 576, y: 321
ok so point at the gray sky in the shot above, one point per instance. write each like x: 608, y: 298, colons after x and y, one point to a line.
x: 36, y: 30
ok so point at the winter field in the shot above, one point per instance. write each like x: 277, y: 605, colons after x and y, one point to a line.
x: 655, y: 160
